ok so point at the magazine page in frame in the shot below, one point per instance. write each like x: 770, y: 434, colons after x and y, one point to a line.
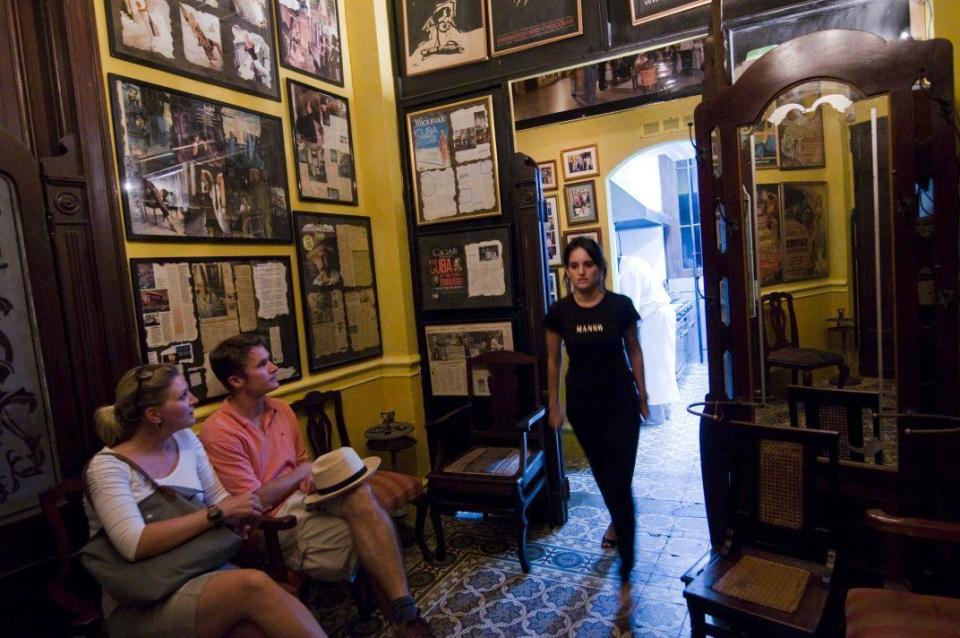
x: 440, y: 34
x: 226, y: 42
x: 185, y: 307
x: 196, y: 169
x: 804, y: 230
x: 515, y: 26
x: 450, y: 345
x: 310, y: 40
x: 551, y: 230
x: 642, y: 11
x: 453, y: 152
x: 323, y: 142
x: 469, y: 269
x: 338, y: 287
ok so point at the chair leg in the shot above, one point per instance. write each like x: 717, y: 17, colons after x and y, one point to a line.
x: 844, y: 373
x: 422, y: 507
x: 441, y: 552
x: 698, y: 621
x: 522, y: 535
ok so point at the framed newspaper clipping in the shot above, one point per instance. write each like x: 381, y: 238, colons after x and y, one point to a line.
x: 469, y: 269
x: 185, y: 307
x: 339, y: 288
x: 450, y: 345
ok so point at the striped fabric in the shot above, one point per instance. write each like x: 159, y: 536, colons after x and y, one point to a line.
x: 394, y: 490
x: 882, y: 613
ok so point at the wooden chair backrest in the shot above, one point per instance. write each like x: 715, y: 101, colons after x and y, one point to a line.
x: 317, y: 407
x: 778, y: 317
x: 514, y: 391
x: 840, y: 411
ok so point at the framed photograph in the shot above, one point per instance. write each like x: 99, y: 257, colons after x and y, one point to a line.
x: 642, y: 11
x: 441, y: 34
x: 225, y: 42
x: 516, y: 26
x: 468, y: 269
x: 194, y: 169
x: 804, y: 230
x: 185, y: 307
x: 769, y: 238
x: 592, y: 233
x: 338, y: 287
x: 310, y: 43
x: 548, y: 175
x: 323, y: 141
x: 580, y: 162
x: 453, y: 152
x: 551, y: 230
x: 800, y: 132
x: 450, y: 345
x: 581, y: 203
x: 553, y: 285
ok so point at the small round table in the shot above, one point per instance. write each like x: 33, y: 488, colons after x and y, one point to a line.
x: 392, y: 446
x: 843, y: 326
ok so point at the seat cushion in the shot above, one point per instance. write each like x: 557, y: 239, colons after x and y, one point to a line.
x: 393, y: 490
x: 498, y: 461
x: 803, y: 358
x: 883, y: 613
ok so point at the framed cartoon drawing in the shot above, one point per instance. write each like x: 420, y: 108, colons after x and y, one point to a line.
x: 581, y: 200
x: 580, y: 162
x: 551, y: 230
x: 440, y: 34
x: 467, y: 269
x: 310, y: 41
x: 804, y: 230
x: 592, y: 233
x: 516, y: 26
x: 548, y: 175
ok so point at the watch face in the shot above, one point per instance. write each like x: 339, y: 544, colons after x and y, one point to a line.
x: 214, y: 514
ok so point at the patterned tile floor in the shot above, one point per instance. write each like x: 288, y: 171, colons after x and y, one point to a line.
x: 480, y: 591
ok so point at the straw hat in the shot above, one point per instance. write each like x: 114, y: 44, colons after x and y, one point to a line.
x: 339, y: 471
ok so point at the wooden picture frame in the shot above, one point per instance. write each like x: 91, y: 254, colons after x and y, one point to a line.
x: 580, y: 162
x: 548, y: 175
x: 308, y: 38
x: 323, y: 145
x: 804, y: 230
x: 466, y: 269
x: 639, y: 14
x: 338, y: 288
x: 229, y: 45
x: 551, y: 229
x: 800, y: 143
x: 453, y: 147
x: 581, y: 200
x: 449, y: 345
x: 593, y: 233
x: 517, y: 26
x: 193, y: 169
x: 443, y: 34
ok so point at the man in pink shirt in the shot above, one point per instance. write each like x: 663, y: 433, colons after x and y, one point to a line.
x: 254, y: 444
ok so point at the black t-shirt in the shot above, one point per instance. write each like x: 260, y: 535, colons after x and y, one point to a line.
x: 598, y: 377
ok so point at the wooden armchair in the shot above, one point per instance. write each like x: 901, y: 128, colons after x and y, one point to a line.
x: 772, y: 576
x: 844, y: 412
x: 497, y: 471
x: 782, y: 348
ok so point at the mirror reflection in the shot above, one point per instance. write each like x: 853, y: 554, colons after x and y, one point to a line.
x: 816, y: 174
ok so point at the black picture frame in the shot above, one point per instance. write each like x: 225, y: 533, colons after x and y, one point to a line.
x: 455, y: 264
x: 218, y: 302
x: 321, y: 149
x: 519, y: 26
x: 294, y: 27
x: 642, y: 12
x: 442, y: 34
x: 192, y: 169
x: 230, y: 45
x: 336, y: 265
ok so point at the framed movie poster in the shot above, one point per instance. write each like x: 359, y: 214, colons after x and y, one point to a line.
x: 323, y: 141
x: 195, y: 169
x: 800, y: 131
x: 769, y: 240
x: 581, y: 203
x: 804, y: 230
x: 469, y: 269
x: 580, y: 162
x: 309, y: 33
x: 551, y: 230
x: 450, y: 345
x: 515, y: 26
x: 592, y: 233
x: 185, y: 307
x: 548, y: 175
x: 339, y: 288
x: 224, y: 42
x: 648, y: 10
x: 440, y: 34
x: 453, y: 152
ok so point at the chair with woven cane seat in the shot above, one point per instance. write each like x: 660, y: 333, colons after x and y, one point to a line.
x: 495, y: 470
x: 782, y: 348
x: 772, y: 577
x: 848, y: 412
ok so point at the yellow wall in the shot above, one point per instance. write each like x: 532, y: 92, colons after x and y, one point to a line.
x: 391, y: 382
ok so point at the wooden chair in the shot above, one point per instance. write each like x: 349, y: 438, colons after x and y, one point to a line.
x: 843, y: 412
x: 778, y: 539
x: 493, y: 469
x: 782, y: 348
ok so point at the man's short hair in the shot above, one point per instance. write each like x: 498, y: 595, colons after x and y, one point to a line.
x: 230, y: 356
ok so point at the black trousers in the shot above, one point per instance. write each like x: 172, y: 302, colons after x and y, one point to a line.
x: 610, y: 443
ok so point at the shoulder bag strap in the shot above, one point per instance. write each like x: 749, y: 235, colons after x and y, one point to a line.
x: 167, y: 493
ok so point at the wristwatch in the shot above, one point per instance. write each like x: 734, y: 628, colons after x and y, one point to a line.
x: 215, y: 515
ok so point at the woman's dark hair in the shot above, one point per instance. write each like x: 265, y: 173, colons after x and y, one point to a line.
x: 230, y: 356
x: 592, y: 248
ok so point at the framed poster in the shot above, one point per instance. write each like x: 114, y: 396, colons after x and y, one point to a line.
x: 338, y: 286
x: 648, y: 10
x: 551, y: 230
x: 310, y: 40
x: 548, y: 175
x: 192, y: 168
x: 765, y: 154
x: 323, y: 141
x: 581, y: 203
x: 591, y: 233
x: 450, y: 345
x: 553, y: 285
x: 580, y: 162
x: 800, y: 131
x: 468, y: 269
x: 804, y: 230
x: 225, y: 42
x: 769, y: 240
x: 185, y: 307
x: 453, y: 152
x: 515, y: 26
x: 441, y: 34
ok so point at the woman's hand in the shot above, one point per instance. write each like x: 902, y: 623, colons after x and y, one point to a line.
x: 241, y: 509
x: 644, y: 407
x: 555, y: 418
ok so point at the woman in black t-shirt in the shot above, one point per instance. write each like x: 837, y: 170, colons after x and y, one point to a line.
x: 605, y: 389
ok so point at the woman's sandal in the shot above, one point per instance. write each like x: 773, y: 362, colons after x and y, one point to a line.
x: 609, y: 543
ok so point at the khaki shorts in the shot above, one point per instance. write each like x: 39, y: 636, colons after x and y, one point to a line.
x: 320, y: 545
